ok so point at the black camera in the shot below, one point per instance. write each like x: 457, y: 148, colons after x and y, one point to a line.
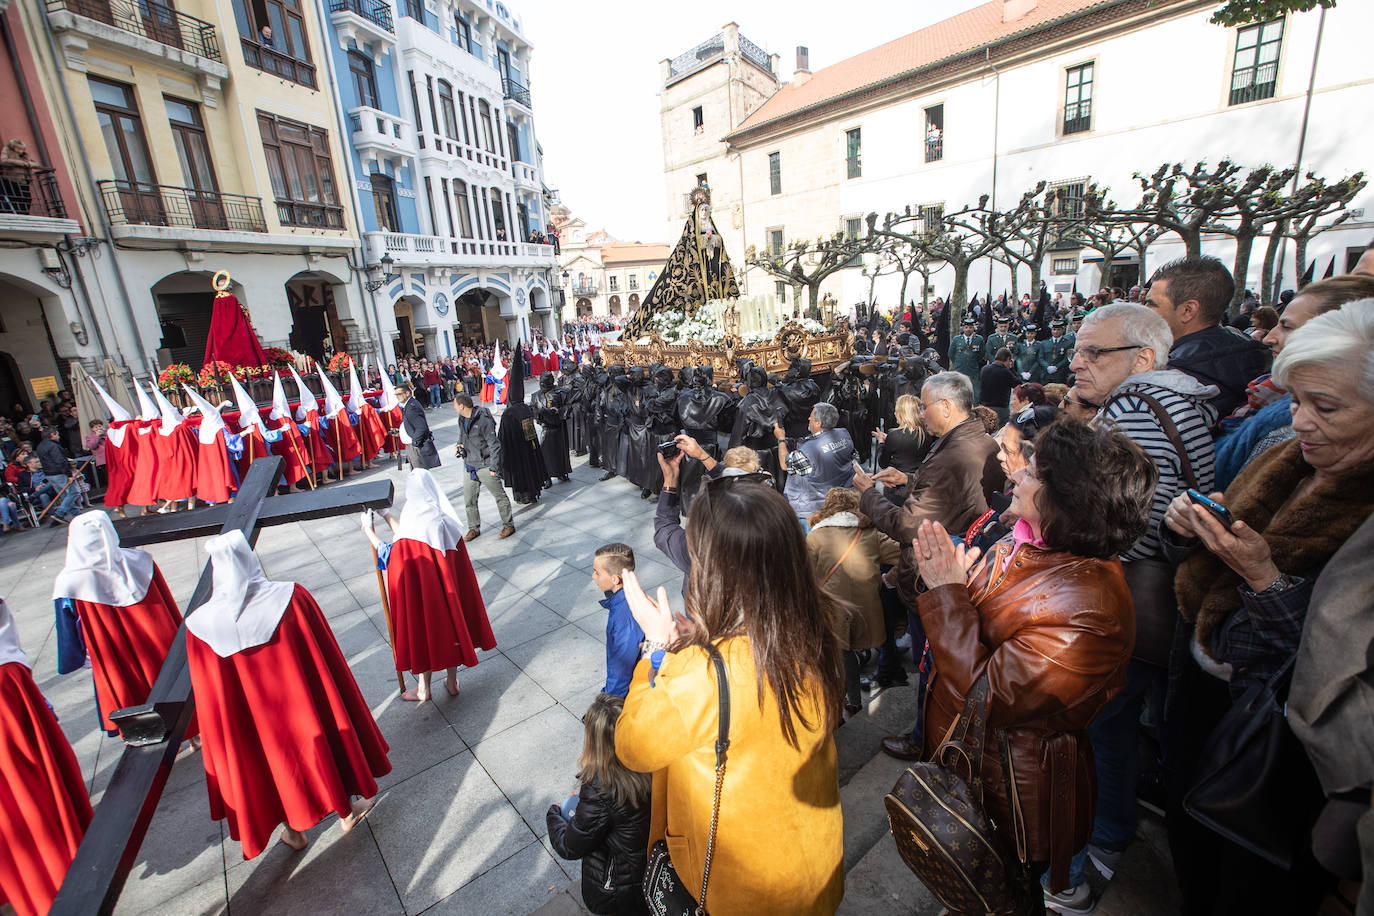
x: 669, y: 449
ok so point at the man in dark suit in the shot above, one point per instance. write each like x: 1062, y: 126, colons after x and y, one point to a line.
x: 419, y: 441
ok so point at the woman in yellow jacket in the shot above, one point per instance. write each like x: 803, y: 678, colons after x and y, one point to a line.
x: 753, y: 594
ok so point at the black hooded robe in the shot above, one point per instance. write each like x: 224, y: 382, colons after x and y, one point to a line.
x: 522, y: 466
x: 548, y: 405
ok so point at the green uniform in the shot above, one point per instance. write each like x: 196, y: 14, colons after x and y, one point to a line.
x: 965, y: 355
x: 996, y: 342
x: 1023, y: 356
x: 1053, y: 354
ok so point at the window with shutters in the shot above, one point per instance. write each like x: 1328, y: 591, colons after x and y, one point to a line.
x: 1255, y: 69
x: 853, y: 153
x: 302, y: 173
x: 1078, y: 99
x: 775, y: 173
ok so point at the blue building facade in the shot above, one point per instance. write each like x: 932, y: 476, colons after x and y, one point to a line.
x: 446, y: 164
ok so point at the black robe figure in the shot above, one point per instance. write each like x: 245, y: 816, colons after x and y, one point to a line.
x: 639, y: 447
x: 800, y: 393
x: 582, y: 415
x: 522, y: 467
x: 616, y: 403
x: 846, y: 393
x: 757, y: 415
x: 660, y: 402
x: 548, y: 405
x: 704, y: 413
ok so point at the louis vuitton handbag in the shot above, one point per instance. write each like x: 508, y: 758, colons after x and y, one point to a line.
x: 664, y: 891
x: 944, y: 835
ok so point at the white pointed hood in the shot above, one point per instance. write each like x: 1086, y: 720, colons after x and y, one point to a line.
x: 332, y: 402
x: 118, y: 413
x: 146, y: 408
x: 245, y: 607
x: 9, y: 638
x: 171, y: 417
x: 307, y: 400
x: 498, y: 368
x: 98, y: 569
x: 281, y: 407
x: 427, y: 515
x: 248, y: 408
x: 389, y: 400
x: 211, y: 422
x: 356, y: 401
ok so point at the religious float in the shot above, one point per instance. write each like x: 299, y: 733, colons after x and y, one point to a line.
x: 694, y: 315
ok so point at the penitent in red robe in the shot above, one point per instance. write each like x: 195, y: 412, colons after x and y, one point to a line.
x: 436, y: 607
x: 143, y: 486
x: 295, y: 452
x: 286, y: 735
x: 127, y: 646
x: 343, y: 438
x: 372, y: 432
x: 44, y: 808
x: 214, y: 480
x: 119, y: 462
x: 176, y: 461
x: 320, y: 455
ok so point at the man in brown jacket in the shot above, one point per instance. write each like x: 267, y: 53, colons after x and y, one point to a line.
x: 952, y: 487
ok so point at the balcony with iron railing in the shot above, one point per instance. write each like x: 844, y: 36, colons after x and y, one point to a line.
x: 1251, y: 84
x: 584, y: 289
x: 935, y: 147
x: 134, y: 203
x: 269, y: 60
x: 1078, y: 116
x: 144, y: 26
x: 516, y: 93
x: 362, y: 21
x: 308, y: 215
x: 31, y: 207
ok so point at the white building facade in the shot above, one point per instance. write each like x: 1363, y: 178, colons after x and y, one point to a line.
x: 1015, y: 92
x: 448, y: 169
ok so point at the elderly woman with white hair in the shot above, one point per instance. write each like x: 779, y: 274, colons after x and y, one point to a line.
x: 1247, y: 592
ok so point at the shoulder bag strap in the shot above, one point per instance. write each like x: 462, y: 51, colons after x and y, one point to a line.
x: 844, y: 556
x: 722, y: 745
x: 968, y: 732
x: 1166, y: 423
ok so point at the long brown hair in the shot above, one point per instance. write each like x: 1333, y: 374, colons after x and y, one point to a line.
x: 751, y: 576
x: 598, y: 762
x: 837, y: 500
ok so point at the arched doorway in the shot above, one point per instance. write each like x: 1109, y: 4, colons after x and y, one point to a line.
x: 634, y: 303
x: 614, y: 304
x: 185, y: 301
x: 584, y: 308
x: 27, y: 352
x: 408, y: 343
x: 315, y: 325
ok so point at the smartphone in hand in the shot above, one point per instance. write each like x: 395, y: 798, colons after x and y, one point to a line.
x: 1219, y: 512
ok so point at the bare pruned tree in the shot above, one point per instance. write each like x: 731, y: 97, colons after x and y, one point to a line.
x: 805, y: 265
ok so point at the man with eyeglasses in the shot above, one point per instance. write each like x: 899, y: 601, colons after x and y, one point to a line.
x: 1121, y: 361
x: 952, y: 486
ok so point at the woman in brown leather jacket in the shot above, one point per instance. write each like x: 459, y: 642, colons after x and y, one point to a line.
x: 1048, y: 617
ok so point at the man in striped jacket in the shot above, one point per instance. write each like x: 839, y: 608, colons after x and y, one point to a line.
x: 1121, y: 361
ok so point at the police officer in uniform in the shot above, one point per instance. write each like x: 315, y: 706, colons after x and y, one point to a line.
x: 966, y: 354
x: 1053, y: 355
x: 1024, y: 356
x: 999, y: 339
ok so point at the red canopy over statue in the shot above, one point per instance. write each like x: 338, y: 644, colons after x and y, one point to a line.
x: 231, y: 337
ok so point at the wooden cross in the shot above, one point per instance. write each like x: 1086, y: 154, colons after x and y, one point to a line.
x: 153, y: 732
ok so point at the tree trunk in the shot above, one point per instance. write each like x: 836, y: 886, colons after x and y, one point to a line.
x: 1299, y: 260
x: 813, y: 310
x: 1245, y: 242
x: 796, y: 298
x: 1271, y: 252
x: 906, y: 275
x: 1036, y: 269
x: 1015, y: 294
x: 1192, y: 242
x: 958, y: 298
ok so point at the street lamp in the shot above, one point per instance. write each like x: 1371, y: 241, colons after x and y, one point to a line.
x: 378, y: 275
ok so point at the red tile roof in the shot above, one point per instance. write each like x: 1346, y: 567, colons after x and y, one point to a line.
x: 631, y: 252
x: 968, y: 30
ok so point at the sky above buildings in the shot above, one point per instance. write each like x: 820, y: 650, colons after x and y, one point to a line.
x: 595, y: 82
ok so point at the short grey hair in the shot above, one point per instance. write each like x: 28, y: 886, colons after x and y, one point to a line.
x: 1334, y: 339
x: 828, y: 415
x: 1141, y: 326
x: 952, y: 385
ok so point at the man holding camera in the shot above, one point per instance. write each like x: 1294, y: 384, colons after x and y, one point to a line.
x: 818, y: 462
x: 481, y: 454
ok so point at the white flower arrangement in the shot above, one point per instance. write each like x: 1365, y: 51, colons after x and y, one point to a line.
x: 676, y: 327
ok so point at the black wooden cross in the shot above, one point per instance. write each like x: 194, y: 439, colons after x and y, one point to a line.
x: 153, y: 732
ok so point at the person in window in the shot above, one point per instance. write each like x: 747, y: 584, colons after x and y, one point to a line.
x: 265, y: 37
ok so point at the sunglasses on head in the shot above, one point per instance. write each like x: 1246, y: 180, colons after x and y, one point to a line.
x: 724, y: 482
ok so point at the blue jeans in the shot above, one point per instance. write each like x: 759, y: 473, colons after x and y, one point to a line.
x: 1115, y: 737
x: 67, y: 500
x: 434, y: 398
x: 917, y: 632
x: 8, y: 513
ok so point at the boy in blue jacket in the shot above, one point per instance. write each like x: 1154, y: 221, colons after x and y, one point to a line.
x: 623, y: 635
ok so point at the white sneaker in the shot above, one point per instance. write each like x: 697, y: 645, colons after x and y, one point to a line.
x: 1104, y: 861
x: 1075, y: 901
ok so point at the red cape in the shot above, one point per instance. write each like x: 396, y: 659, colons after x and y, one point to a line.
x: 294, y: 452
x: 286, y: 735
x: 119, y: 465
x: 536, y: 365
x: 143, y: 487
x: 343, y: 438
x: 214, y: 480
x: 436, y: 607
x: 127, y: 646
x: 371, y: 431
x: 44, y: 808
x: 320, y: 455
x: 231, y: 338
x: 176, y: 461
x: 254, y: 447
